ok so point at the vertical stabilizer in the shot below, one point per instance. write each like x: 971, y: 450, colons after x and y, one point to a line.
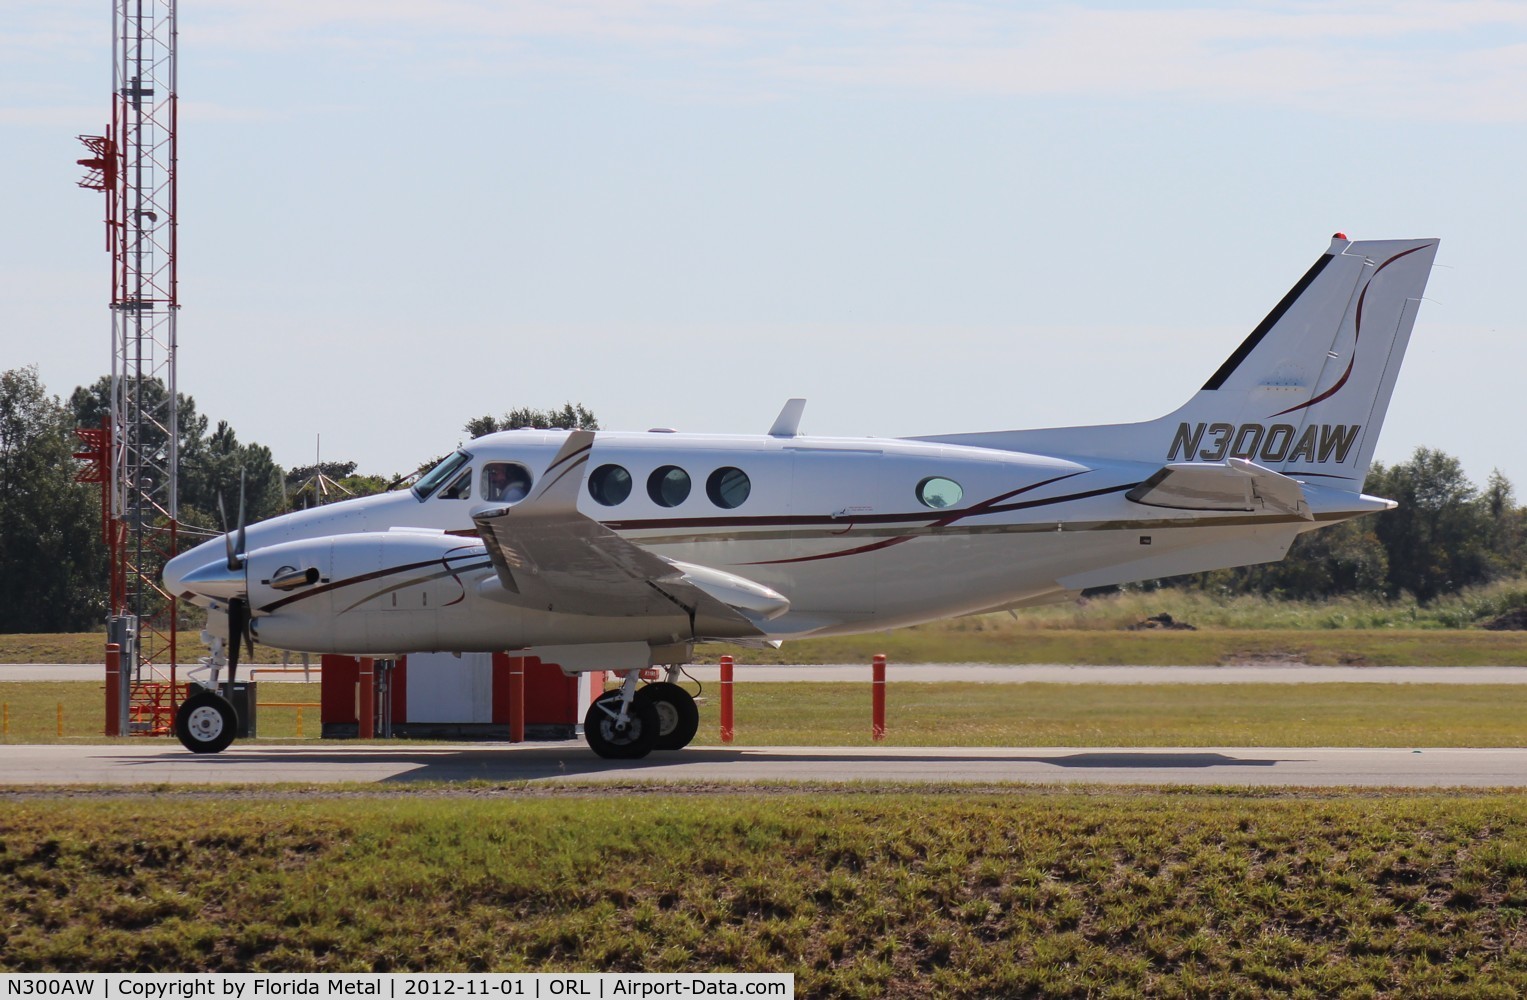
x: 1304, y: 394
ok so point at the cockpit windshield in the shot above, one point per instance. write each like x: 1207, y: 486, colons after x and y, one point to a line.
x: 439, y: 474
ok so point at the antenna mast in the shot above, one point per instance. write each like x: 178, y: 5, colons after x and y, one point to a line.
x: 134, y: 164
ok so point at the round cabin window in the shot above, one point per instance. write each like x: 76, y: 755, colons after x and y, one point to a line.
x: 610, y: 485
x: 505, y: 482
x: 728, y: 487
x: 938, y: 492
x: 668, y: 486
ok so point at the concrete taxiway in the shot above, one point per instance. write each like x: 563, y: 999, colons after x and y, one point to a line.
x: 123, y: 764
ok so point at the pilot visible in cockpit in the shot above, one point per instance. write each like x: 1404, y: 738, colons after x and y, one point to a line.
x: 505, y: 482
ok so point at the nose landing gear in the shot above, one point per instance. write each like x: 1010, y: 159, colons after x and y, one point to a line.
x: 206, y: 723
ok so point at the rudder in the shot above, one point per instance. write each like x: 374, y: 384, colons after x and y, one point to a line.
x: 1307, y: 391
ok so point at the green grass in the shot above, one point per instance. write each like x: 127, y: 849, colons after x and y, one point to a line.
x: 865, y: 894
x: 32, y: 709
x: 955, y: 714
x: 1001, y: 639
x: 997, y: 639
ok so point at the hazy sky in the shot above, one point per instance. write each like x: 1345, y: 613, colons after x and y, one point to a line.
x: 922, y: 216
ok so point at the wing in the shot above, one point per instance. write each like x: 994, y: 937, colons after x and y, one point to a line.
x: 552, y: 557
x: 1234, y: 484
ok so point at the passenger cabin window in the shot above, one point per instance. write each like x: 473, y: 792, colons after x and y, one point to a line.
x: 505, y: 482
x: 668, y: 486
x: 443, y: 471
x: 460, y: 488
x: 728, y: 487
x: 938, y: 492
x: 610, y: 485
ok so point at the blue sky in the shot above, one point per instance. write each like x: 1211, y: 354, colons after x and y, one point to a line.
x: 924, y: 217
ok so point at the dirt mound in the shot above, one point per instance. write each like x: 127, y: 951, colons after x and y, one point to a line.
x: 1511, y: 621
x: 1263, y: 658
x: 1161, y: 621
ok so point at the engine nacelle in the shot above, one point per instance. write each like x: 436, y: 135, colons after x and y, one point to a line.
x: 380, y: 591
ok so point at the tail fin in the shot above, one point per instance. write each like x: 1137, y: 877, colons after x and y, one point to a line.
x: 1305, y: 394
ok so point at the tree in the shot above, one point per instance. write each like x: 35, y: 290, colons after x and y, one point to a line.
x: 215, y: 472
x: 1507, y: 526
x: 52, y: 557
x: 1342, y: 559
x: 1437, y: 541
x: 91, y: 405
x: 572, y: 416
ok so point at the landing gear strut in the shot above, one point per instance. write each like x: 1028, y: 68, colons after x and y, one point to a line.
x: 620, y: 726
x: 207, y: 722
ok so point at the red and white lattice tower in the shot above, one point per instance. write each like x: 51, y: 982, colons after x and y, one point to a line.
x: 134, y: 164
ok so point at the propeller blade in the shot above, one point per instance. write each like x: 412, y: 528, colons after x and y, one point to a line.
x: 222, y: 516
x: 239, y: 633
x: 240, y: 544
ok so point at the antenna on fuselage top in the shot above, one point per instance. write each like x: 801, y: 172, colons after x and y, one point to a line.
x: 788, y: 423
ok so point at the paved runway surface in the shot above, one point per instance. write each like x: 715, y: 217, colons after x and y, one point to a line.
x: 986, y: 673
x: 539, y: 762
x: 1051, y: 673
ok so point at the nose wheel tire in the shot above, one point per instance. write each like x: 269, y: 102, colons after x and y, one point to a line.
x: 609, y: 740
x: 206, y: 723
x: 678, y: 718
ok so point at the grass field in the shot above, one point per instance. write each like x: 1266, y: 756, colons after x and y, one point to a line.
x: 32, y: 709
x: 860, y: 894
x: 1000, y: 639
x: 1379, y: 715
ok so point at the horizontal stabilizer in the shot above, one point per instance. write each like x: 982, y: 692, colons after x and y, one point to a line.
x: 1234, y: 484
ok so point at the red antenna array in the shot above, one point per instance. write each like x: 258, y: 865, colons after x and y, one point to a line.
x: 136, y: 459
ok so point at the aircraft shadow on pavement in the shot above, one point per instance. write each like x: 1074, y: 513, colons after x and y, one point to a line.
x: 502, y: 763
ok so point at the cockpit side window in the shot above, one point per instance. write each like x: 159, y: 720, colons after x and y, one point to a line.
x: 460, y: 488
x: 505, y: 482
x: 443, y: 471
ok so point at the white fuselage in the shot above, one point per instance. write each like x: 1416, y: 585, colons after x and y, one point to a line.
x: 834, y: 525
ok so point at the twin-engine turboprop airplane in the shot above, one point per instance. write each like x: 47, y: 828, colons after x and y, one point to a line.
x: 621, y: 550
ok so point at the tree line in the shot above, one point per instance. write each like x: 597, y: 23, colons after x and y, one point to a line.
x: 53, y: 560
x: 1447, y: 533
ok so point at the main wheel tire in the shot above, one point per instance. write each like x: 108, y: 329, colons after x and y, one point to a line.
x: 635, y: 741
x: 206, y: 723
x: 678, y: 717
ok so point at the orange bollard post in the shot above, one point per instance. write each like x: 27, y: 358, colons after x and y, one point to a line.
x: 726, y: 699
x: 516, y: 699
x: 877, y: 683
x: 299, y: 722
x: 368, y: 699
x: 113, y: 689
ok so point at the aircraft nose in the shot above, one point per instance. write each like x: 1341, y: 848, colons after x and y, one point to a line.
x: 203, y: 572
x: 215, y: 580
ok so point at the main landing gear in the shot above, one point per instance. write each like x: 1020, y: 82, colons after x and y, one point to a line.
x: 632, y: 722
